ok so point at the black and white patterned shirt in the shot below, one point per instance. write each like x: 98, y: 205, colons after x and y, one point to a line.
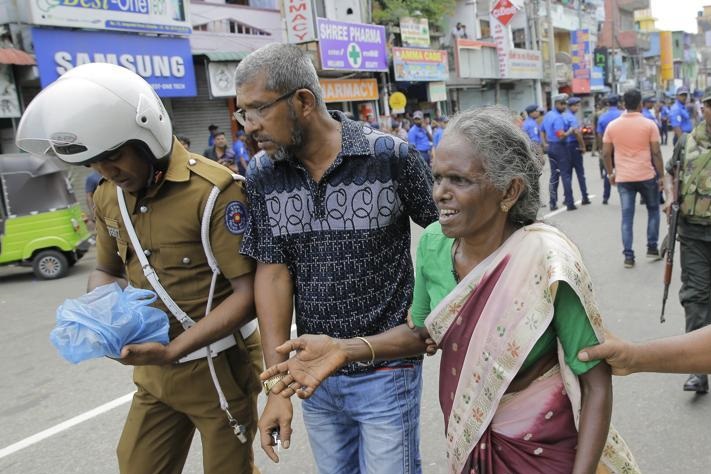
x: 345, y: 239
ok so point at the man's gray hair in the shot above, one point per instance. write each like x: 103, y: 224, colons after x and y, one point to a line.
x: 506, y: 153
x: 286, y: 68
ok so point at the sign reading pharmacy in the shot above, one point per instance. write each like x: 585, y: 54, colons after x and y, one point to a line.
x: 165, y: 63
x: 351, y: 46
x: 147, y: 16
x: 349, y: 90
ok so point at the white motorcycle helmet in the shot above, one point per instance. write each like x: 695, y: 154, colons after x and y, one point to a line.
x: 92, y: 110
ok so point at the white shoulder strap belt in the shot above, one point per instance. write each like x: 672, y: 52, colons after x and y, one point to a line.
x: 186, y: 321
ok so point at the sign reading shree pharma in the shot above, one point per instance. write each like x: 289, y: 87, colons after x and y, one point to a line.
x: 351, y: 46
x: 147, y: 16
x: 165, y: 63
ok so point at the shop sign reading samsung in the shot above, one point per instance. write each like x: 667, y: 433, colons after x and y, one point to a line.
x: 165, y: 63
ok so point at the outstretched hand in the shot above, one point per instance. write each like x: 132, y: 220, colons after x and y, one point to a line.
x: 316, y: 358
x: 617, y: 353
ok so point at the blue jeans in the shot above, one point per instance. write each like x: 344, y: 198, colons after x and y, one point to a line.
x: 649, y: 190
x: 367, y: 423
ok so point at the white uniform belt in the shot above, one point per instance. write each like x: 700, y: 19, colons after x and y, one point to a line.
x: 220, y: 345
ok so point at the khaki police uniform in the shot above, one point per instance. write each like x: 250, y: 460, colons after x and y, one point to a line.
x: 171, y: 401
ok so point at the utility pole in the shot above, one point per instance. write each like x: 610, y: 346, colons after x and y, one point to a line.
x: 613, y: 80
x: 551, y: 49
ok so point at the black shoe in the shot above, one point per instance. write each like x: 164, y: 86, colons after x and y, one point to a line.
x: 604, y: 201
x: 653, y: 254
x: 586, y: 201
x: 553, y: 207
x: 629, y: 262
x: 572, y: 208
x: 697, y: 383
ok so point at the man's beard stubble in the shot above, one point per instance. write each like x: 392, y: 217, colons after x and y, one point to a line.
x: 283, y: 152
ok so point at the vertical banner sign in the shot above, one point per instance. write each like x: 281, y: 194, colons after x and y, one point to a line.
x: 415, y: 32
x: 300, y: 19
x: 666, y: 55
x: 580, y: 47
x: 501, y: 14
x: 9, y: 102
x: 600, y: 61
x: 351, y: 46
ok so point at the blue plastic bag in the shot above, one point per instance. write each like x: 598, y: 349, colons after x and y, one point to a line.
x: 101, y: 322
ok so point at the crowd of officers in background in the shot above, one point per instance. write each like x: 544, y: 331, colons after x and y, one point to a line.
x: 560, y: 134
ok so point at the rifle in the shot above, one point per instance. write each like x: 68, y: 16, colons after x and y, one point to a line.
x: 670, y: 240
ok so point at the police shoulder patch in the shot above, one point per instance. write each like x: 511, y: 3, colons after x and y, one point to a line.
x: 236, y: 217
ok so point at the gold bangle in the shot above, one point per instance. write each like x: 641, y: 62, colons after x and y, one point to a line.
x: 271, y: 381
x: 372, y: 352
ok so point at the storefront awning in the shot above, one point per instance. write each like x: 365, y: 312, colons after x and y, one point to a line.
x: 16, y: 56
x: 226, y: 47
x: 226, y: 55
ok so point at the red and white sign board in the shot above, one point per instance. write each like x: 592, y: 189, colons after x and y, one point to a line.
x: 300, y: 17
x: 504, y: 11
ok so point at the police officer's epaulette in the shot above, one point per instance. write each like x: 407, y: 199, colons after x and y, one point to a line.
x: 216, y: 174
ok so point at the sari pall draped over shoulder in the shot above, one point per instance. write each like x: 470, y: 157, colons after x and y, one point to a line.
x: 486, y: 327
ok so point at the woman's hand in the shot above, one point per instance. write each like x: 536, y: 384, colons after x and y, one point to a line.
x: 316, y: 358
x: 424, y: 335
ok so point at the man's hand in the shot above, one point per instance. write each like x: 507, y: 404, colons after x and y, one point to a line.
x: 277, y: 415
x: 148, y: 353
x: 619, y: 354
x: 660, y: 183
x: 316, y: 358
x: 611, y: 178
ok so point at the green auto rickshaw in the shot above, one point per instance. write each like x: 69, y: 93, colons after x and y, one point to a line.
x: 41, y: 222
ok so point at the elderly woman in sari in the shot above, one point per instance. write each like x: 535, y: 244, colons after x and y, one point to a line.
x: 509, y: 302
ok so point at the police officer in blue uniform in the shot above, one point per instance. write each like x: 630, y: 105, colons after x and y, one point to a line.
x: 613, y: 111
x: 648, y: 109
x: 679, y: 118
x: 576, y: 147
x: 530, y: 125
x: 555, y: 133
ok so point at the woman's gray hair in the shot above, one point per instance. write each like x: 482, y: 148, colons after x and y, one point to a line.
x: 286, y: 68
x: 506, y: 153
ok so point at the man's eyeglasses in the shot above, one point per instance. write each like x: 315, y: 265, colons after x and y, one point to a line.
x: 256, y: 114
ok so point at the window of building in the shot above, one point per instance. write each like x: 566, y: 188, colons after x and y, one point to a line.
x: 485, y: 28
x: 519, y: 38
x: 230, y: 26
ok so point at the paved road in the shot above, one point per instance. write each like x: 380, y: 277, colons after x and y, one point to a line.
x: 667, y: 429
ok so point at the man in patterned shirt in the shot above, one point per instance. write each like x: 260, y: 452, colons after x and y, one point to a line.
x: 331, y: 201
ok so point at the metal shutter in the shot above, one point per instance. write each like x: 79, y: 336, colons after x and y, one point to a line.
x: 192, y: 115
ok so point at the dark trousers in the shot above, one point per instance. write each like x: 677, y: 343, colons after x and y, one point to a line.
x: 664, y: 132
x: 426, y: 156
x: 561, y: 169
x: 695, y: 292
x: 576, y: 159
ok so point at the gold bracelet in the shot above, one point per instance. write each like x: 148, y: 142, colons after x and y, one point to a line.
x: 271, y: 381
x: 372, y: 352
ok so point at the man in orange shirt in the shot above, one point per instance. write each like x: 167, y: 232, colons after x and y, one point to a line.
x: 635, y: 142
